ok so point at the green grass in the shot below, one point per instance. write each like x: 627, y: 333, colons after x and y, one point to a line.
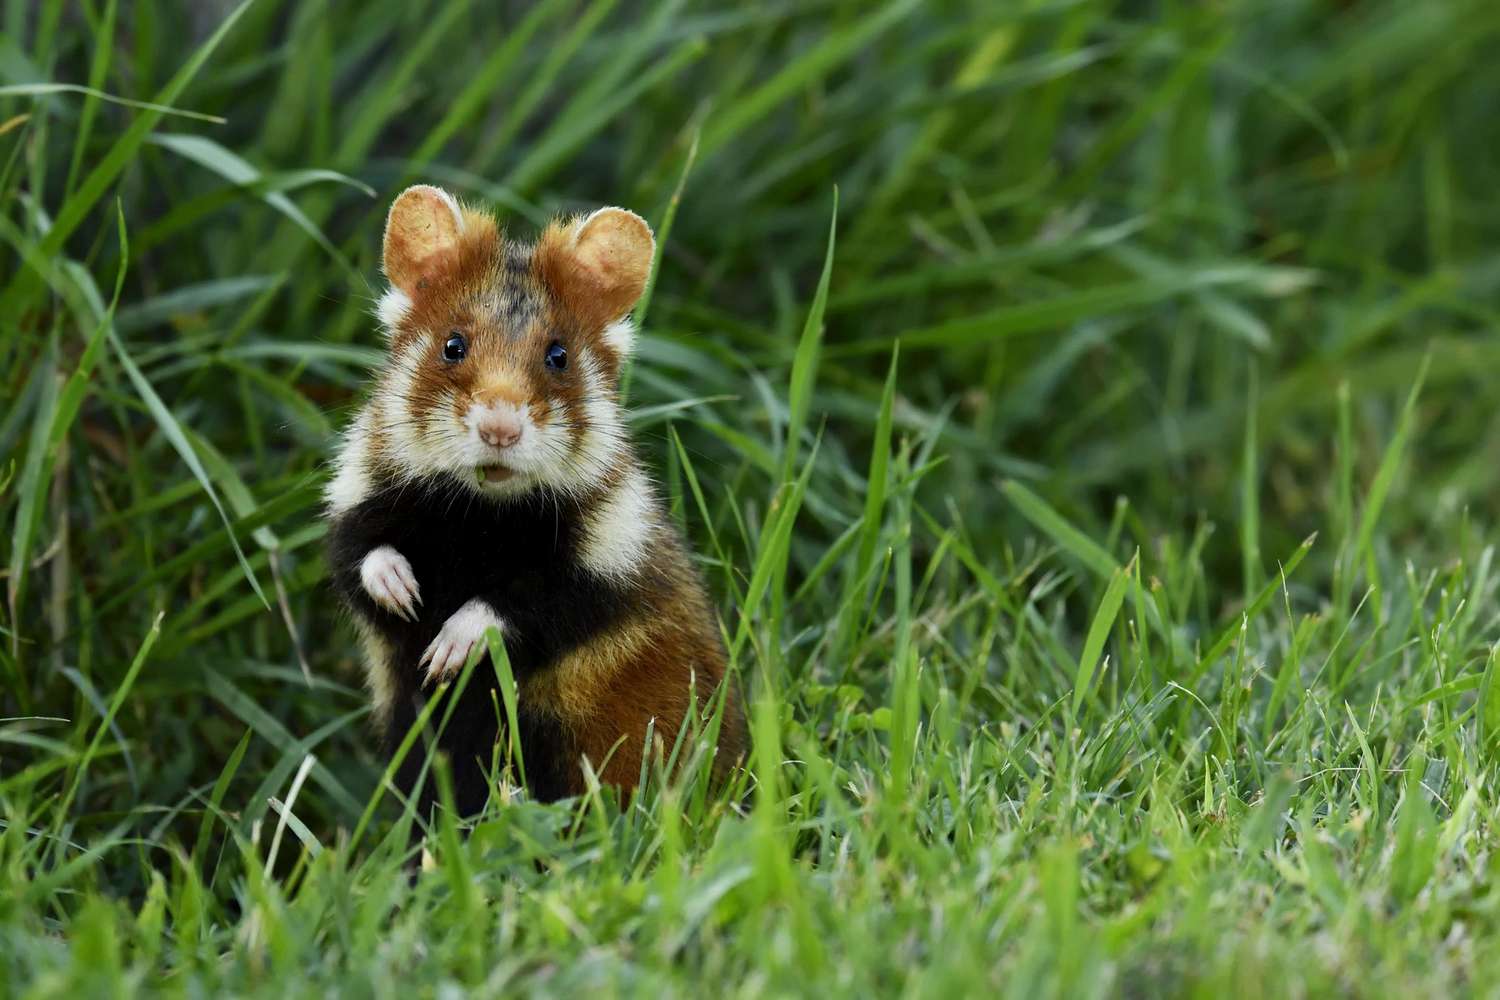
x: 1130, y: 630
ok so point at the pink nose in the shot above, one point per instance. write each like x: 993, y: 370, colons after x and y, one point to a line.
x: 499, y: 430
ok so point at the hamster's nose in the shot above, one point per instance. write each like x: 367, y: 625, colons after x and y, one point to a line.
x: 499, y: 430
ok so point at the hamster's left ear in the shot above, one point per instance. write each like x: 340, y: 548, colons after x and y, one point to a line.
x: 598, y: 266
x: 422, y: 228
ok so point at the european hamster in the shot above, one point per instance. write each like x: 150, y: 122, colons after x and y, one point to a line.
x: 490, y: 480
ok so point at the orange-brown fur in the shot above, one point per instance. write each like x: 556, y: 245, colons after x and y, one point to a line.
x: 643, y: 674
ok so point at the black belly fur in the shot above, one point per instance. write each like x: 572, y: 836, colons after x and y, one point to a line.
x: 519, y: 555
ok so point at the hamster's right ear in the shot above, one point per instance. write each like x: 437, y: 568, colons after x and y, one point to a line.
x: 422, y: 228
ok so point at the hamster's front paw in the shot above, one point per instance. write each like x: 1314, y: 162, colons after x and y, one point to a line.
x: 387, y: 578
x: 463, y: 630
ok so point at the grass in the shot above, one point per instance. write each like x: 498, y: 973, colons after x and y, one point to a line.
x: 1130, y: 629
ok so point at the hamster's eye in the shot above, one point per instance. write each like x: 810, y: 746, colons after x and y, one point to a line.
x: 557, y: 356
x: 455, y: 348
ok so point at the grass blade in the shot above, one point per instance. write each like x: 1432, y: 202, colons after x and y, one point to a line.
x: 805, y: 362
x: 1099, y: 629
x: 173, y: 432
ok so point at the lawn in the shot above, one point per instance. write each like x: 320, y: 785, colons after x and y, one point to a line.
x: 1084, y: 414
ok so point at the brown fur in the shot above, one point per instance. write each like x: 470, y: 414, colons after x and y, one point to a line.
x: 644, y: 674
x: 419, y: 231
x: 599, y: 265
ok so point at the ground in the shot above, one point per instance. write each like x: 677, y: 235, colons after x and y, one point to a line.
x: 1127, y: 629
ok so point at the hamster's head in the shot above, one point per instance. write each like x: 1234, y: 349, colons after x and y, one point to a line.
x: 505, y: 357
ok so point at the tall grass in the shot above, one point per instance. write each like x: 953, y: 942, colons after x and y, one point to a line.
x: 1082, y: 411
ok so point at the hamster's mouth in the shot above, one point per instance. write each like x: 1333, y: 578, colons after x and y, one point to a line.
x: 493, y: 473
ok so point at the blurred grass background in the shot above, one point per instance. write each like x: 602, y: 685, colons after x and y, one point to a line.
x: 1177, y: 286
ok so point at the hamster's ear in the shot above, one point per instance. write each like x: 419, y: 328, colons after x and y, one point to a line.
x: 598, y: 266
x: 423, y: 225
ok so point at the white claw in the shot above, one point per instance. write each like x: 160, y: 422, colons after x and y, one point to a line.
x: 388, y: 579
x: 445, y: 656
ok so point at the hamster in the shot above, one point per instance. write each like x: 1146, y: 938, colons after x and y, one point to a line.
x: 490, y: 481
